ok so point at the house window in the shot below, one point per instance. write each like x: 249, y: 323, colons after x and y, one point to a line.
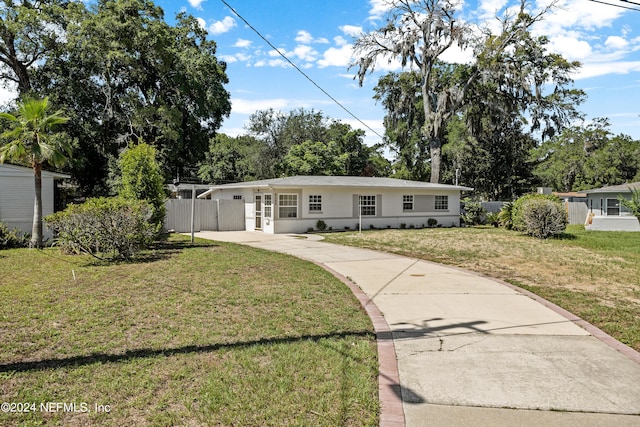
x: 288, y: 205
x: 267, y: 206
x: 407, y: 203
x: 613, y: 207
x: 237, y: 197
x: 315, y: 203
x: 442, y: 203
x: 368, y: 205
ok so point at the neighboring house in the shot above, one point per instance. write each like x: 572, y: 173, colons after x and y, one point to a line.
x: 605, y: 211
x: 296, y: 204
x: 17, y: 194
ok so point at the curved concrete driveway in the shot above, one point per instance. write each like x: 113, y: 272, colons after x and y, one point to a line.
x: 474, y: 351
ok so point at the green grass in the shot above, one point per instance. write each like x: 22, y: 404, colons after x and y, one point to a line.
x: 204, y: 334
x: 595, y: 275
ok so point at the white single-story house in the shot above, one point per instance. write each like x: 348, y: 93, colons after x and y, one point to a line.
x: 298, y: 204
x: 605, y: 211
x: 17, y: 194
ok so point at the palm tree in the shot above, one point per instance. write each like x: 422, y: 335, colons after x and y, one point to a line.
x: 32, y: 140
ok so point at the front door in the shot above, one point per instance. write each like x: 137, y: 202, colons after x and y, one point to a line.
x: 258, y: 212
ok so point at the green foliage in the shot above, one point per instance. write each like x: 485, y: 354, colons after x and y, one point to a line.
x: 314, y: 158
x: 472, y: 212
x: 505, y: 216
x: 544, y: 218
x: 432, y: 222
x: 141, y: 178
x: 230, y: 159
x: 585, y: 157
x: 493, y: 218
x: 33, y: 139
x: 123, y: 70
x: 517, y: 209
x: 10, y: 239
x: 106, y: 228
x: 634, y: 203
x: 321, y: 225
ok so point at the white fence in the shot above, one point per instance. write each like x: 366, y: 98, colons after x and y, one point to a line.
x: 577, y: 212
x: 209, y: 215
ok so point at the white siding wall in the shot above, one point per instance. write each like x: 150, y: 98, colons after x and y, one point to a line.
x: 17, y: 194
x: 338, y: 209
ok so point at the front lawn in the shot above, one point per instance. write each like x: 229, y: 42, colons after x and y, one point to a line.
x: 204, y: 334
x: 595, y: 275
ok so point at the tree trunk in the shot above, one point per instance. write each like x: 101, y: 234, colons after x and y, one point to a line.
x: 435, y: 147
x: 36, y: 229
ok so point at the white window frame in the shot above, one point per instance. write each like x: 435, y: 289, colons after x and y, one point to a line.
x: 407, y: 202
x: 367, y: 204
x: 267, y: 205
x: 288, y: 201
x: 315, y: 203
x: 441, y: 203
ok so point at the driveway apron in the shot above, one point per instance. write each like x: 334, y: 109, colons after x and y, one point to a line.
x: 472, y: 350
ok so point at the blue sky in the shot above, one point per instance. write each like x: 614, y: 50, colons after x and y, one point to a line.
x: 318, y: 35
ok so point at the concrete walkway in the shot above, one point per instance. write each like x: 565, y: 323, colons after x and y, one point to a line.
x: 473, y: 351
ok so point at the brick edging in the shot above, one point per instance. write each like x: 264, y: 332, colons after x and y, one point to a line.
x: 389, y: 390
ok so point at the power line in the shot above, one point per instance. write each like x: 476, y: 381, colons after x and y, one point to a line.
x: 299, y: 70
x: 619, y: 5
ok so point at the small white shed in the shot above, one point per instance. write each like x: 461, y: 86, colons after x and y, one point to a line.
x: 298, y: 203
x: 17, y: 194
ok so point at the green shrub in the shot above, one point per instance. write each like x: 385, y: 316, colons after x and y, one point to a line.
x: 141, y: 178
x: 321, y: 225
x: 472, y: 212
x: 544, y: 218
x: 432, y: 222
x: 105, y: 227
x: 517, y: 217
x: 10, y: 239
x: 493, y: 218
x: 505, y: 216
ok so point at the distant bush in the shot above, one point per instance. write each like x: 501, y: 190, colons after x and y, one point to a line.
x: 10, y: 239
x: 493, y: 218
x: 544, y: 218
x: 472, y: 212
x: 321, y: 225
x: 517, y: 209
x: 105, y: 227
x: 432, y: 222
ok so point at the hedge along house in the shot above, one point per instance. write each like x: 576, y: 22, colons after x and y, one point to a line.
x: 17, y: 194
x: 606, y: 213
x: 298, y: 204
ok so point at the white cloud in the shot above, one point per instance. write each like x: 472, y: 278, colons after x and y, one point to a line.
x: 336, y: 56
x: 616, y: 42
x: 242, y: 43
x: 378, y: 9
x: 604, y: 68
x: 250, y: 106
x: 220, y: 27
x: 229, y: 59
x: 202, y: 23
x: 196, y: 3
x: 351, y: 30
x: 305, y: 37
x: 305, y: 53
x: 571, y: 48
x: 340, y: 41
